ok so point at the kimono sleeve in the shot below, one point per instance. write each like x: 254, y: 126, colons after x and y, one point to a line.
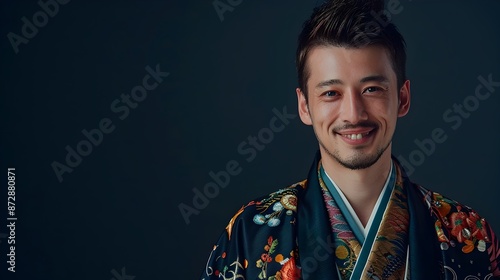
x: 258, y: 242
x: 227, y: 258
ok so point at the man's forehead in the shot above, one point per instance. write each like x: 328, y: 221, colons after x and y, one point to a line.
x: 341, y: 63
x: 322, y: 52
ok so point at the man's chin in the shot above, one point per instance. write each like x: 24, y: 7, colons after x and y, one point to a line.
x: 357, y: 158
x: 356, y: 165
x: 358, y: 161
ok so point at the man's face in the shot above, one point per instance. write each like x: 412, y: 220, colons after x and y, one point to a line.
x: 353, y: 103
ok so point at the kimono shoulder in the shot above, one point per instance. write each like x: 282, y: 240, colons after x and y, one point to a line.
x: 259, y: 241
x: 462, y: 233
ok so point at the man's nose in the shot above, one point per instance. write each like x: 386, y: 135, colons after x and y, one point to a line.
x: 353, y: 108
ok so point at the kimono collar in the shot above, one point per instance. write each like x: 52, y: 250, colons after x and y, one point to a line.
x: 315, y: 240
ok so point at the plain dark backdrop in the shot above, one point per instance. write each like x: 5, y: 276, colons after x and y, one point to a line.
x: 119, y: 207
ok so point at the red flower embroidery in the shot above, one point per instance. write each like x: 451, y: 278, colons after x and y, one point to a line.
x: 266, y: 258
x: 289, y: 271
x: 459, y: 226
x: 477, y: 226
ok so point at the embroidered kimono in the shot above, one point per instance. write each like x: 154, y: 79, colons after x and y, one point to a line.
x: 304, y: 232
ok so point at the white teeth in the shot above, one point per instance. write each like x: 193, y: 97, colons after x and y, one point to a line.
x: 355, y: 136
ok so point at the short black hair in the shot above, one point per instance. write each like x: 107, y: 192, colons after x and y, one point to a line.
x: 350, y: 24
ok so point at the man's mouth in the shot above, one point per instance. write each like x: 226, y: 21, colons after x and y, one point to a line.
x: 355, y: 136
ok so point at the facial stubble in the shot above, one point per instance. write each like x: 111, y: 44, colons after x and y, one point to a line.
x: 357, y: 161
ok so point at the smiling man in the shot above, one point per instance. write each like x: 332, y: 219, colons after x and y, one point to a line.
x: 357, y: 215
x: 352, y: 101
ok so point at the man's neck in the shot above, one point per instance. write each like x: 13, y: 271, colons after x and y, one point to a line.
x: 361, y: 187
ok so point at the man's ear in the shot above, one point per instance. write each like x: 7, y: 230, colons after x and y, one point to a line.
x: 404, y: 99
x: 305, y: 117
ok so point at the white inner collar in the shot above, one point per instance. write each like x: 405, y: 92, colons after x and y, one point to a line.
x: 366, y: 229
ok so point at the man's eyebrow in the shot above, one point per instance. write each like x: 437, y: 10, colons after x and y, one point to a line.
x: 329, y: 83
x: 375, y: 78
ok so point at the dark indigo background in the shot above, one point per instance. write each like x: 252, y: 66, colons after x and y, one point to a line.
x: 119, y: 207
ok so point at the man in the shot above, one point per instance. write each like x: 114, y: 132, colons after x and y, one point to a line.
x: 357, y: 215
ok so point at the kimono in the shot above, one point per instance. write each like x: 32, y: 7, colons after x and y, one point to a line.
x: 302, y: 232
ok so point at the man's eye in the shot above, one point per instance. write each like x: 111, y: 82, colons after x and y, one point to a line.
x: 331, y: 93
x: 373, y: 89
